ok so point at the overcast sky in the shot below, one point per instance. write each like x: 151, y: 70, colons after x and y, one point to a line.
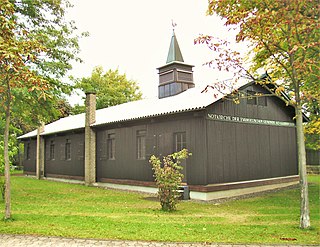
x: 134, y: 36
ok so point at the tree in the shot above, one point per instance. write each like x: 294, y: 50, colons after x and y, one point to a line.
x: 284, y: 37
x: 45, y: 22
x: 16, y: 50
x: 111, y: 88
x: 36, y: 47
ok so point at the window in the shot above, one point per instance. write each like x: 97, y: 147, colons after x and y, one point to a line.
x: 171, y: 89
x: 262, y: 100
x: 252, y: 99
x: 161, y: 92
x: 51, y: 150
x: 166, y: 90
x: 68, y: 150
x: 180, y: 141
x: 28, y: 151
x: 175, y: 88
x: 111, y: 145
x: 141, y: 144
x: 256, y: 98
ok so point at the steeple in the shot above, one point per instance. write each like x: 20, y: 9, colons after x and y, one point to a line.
x: 174, y: 54
x: 176, y: 76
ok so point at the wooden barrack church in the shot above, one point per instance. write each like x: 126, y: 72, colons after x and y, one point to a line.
x: 237, y: 148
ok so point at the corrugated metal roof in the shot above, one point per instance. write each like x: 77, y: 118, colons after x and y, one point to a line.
x: 190, y: 100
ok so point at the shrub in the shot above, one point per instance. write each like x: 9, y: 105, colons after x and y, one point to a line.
x: 168, y: 178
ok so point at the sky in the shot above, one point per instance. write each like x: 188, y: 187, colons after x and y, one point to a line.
x: 134, y: 37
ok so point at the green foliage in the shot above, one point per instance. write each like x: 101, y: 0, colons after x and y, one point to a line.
x: 168, y: 177
x: 284, y: 38
x: 78, y: 109
x: 111, y: 88
x: 43, y: 23
x: 37, y: 46
x: 36, y: 42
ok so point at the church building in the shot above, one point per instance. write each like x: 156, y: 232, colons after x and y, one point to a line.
x: 236, y: 148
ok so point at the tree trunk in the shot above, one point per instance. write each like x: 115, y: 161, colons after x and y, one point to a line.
x: 304, y: 203
x: 7, y: 214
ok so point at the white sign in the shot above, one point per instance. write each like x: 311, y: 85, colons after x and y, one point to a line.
x: 220, y: 117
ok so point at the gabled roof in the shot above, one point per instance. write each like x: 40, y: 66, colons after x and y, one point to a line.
x: 190, y: 100
x: 174, y: 54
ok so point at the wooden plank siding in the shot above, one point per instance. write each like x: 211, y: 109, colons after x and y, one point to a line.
x: 159, y: 141
x: 60, y: 165
x: 238, y: 152
x: 245, y: 151
x: 29, y: 164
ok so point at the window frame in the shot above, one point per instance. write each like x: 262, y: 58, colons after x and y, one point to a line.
x: 141, y: 137
x: 67, y: 150
x: 262, y: 101
x: 256, y: 98
x: 251, y: 98
x: 111, y: 146
x: 52, y: 150
x: 27, y: 151
x: 179, y: 141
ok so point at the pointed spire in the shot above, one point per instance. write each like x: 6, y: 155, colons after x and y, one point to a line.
x: 174, y: 54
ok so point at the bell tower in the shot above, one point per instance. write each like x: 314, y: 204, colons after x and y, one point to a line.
x: 176, y: 76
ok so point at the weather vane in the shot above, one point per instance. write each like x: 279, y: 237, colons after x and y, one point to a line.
x: 173, y: 24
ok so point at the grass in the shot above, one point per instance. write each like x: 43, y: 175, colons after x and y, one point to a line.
x: 50, y: 208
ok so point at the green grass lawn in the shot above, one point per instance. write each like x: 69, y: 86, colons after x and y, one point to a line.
x: 50, y: 208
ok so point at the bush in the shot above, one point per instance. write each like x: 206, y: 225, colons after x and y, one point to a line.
x: 168, y: 178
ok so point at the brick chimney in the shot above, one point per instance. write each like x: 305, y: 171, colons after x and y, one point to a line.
x: 90, y: 139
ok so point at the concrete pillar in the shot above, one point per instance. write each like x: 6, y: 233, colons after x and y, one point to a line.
x: 40, y: 153
x: 90, y: 140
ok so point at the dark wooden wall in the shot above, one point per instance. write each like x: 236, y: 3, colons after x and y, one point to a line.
x: 313, y: 157
x: 160, y: 135
x: 73, y: 167
x: 239, y: 152
x: 242, y: 151
x: 275, y: 109
x: 29, y: 165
